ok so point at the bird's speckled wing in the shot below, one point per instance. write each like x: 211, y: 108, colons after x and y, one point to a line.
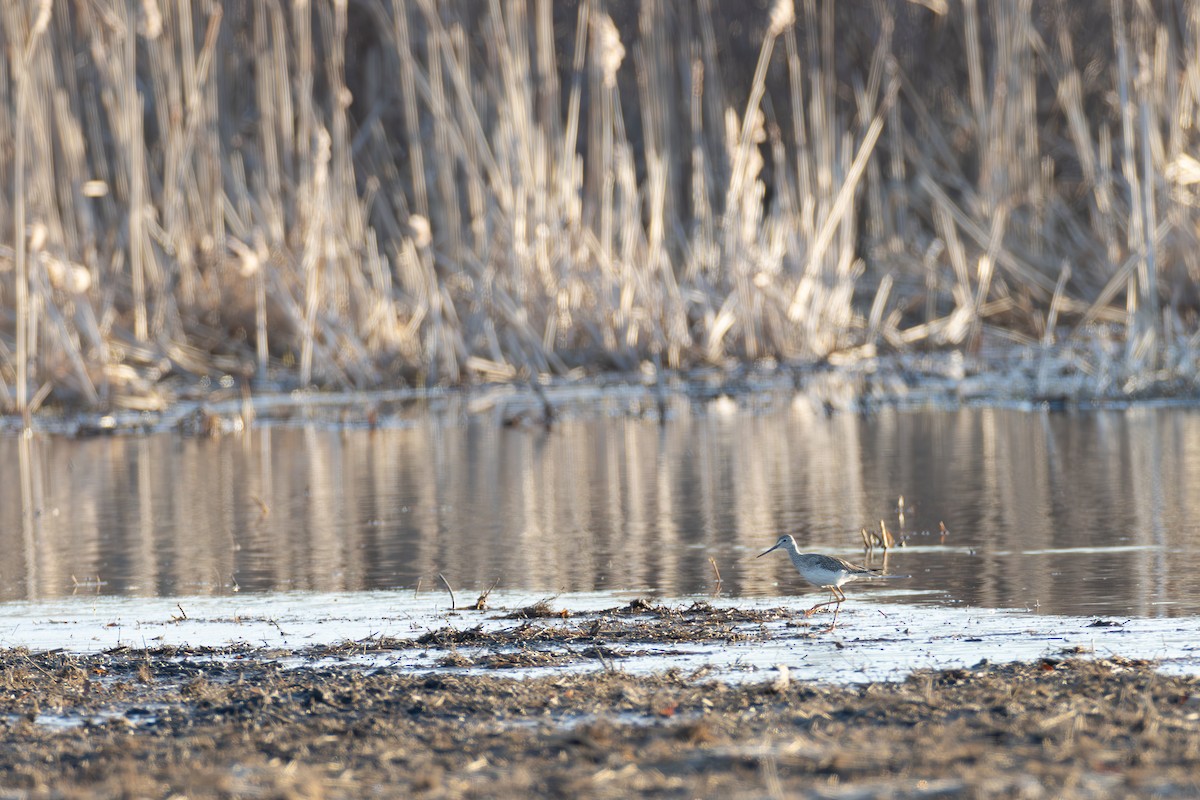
x: 841, y: 563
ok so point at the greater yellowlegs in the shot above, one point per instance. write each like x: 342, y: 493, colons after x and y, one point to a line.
x: 828, y: 572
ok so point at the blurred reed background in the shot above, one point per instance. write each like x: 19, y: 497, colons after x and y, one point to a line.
x: 356, y: 193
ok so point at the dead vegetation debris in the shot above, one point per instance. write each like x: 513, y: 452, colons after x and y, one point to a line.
x: 539, y: 610
x: 538, y: 642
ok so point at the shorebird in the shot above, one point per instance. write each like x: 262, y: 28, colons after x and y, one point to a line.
x: 827, y: 572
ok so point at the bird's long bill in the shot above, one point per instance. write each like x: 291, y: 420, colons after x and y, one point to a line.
x: 760, y: 555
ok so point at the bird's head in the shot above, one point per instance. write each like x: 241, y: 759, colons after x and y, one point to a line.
x: 785, y: 541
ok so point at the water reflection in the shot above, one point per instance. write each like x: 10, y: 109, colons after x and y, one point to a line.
x: 1091, y: 513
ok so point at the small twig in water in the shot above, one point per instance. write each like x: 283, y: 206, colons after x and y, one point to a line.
x: 886, y: 536
x: 264, y: 510
x: 717, y: 573
x: 182, y: 614
x: 446, y: 583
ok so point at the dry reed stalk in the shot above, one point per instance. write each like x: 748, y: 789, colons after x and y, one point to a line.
x: 22, y: 264
x: 841, y: 204
x: 21, y: 64
x: 134, y: 142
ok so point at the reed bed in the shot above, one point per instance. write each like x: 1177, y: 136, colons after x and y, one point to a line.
x: 360, y: 193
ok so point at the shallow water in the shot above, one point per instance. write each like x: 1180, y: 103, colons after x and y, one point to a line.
x: 1083, y: 513
x: 878, y: 638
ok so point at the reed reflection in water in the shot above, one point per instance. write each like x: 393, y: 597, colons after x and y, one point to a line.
x: 1092, y: 513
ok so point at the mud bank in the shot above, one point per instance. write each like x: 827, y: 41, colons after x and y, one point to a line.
x: 314, y: 722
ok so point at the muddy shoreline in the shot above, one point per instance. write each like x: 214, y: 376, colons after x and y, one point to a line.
x: 314, y: 722
x: 1053, y: 378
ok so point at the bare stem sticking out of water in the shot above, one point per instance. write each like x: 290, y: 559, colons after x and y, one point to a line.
x: 446, y: 583
x: 717, y: 574
x: 883, y: 539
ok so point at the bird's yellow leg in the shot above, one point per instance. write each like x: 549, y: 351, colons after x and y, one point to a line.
x: 838, y: 598
x: 833, y: 593
x: 833, y: 624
